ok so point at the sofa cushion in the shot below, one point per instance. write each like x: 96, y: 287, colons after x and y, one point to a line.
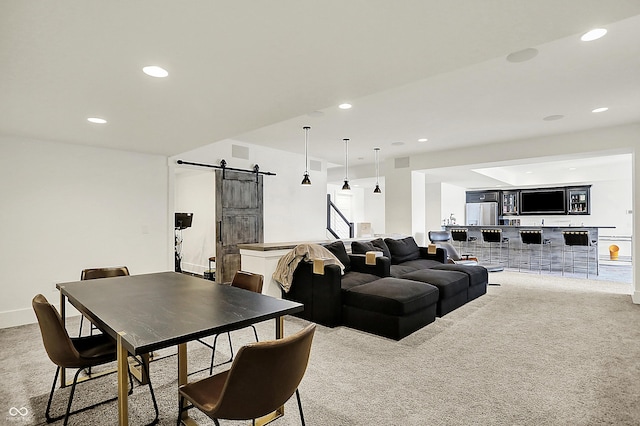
x: 402, y: 250
x: 449, y: 283
x: 398, y: 271
x: 392, y: 296
x: 478, y: 275
x: 361, y: 247
x: 354, y: 278
x: 338, y: 250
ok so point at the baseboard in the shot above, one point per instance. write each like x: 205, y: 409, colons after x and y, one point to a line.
x: 17, y: 317
x: 635, y: 297
x: 27, y: 316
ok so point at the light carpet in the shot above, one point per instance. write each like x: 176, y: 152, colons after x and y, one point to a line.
x: 536, y: 350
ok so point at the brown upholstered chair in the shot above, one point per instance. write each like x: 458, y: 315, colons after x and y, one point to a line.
x: 95, y: 273
x: 262, y: 378
x: 245, y: 281
x: 73, y: 352
x: 69, y: 352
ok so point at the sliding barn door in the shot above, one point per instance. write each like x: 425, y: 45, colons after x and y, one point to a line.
x: 238, y: 218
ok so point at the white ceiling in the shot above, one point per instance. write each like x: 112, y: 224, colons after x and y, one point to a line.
x: 254, y: 71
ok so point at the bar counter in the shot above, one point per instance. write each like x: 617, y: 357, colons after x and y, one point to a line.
x: 514, y: 254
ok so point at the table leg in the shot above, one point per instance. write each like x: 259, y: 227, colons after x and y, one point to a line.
x: 123, y: 382
x: 280, y: 411
x: 183, y: 380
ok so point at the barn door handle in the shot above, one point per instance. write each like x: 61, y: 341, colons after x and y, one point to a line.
x: 220, y: 231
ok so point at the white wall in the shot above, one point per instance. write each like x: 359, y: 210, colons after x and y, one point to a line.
x: 418, y: 208
x: 70, y: 207
x: 374, y: 211
x: 454, y: 199
x: 292, y: 212
x: 195, y: 192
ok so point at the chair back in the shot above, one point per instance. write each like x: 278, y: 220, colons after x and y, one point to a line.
x: 438, y: 236
x: 531, y: 236
x: 492, y: 235
x: 576, y: 238
x: 264, y: 376
x: 459, y: 234
x: 94, y: 273
x: 56, y: 340
x: 248, y: 281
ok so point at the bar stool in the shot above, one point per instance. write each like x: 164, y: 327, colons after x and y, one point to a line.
x: 461, y: 235
x: 534, y: 237
x: 574, y: 239
x: 493, y: 236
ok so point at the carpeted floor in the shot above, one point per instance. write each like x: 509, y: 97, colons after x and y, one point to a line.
x: 536, y: 350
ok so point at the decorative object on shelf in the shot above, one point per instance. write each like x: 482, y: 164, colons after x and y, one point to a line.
x: 305, y: 179
x: 377, y: 189
x: 346, y: 186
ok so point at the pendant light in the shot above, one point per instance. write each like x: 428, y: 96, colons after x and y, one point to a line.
x: 305, y: 179
x: 346, y: 186
x: 376, y: 152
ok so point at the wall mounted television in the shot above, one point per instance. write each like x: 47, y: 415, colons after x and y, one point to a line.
x: 543, y: 201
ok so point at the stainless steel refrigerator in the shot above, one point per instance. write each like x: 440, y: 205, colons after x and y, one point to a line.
x: 482, y: 214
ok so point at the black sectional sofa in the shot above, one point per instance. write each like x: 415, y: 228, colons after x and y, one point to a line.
x: 406, y: 288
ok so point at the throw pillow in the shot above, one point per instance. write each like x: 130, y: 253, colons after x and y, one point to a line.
x: 338, y: 250
x: 380, y: 245
x: 403, y: 250
x: 361, y: 247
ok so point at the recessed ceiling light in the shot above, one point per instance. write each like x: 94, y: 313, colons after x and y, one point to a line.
x: 344, y: 106
x: 522, y: 55
x: 96, y: 120
x: 155, y: 71
x: 397, y: 143
x: 601, y: 109
x: 529, y: 172
x: 553, y: 117
x: 422, y: 140
x: 572, y: 168
x: 593, y: 34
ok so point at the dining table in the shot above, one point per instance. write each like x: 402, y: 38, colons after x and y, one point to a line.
x: 149, y: 312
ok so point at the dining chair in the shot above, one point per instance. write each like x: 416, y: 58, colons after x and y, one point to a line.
x: 263, y: 376
x: 95, y: 273
x: 73, y: 352
x: 246, y: 281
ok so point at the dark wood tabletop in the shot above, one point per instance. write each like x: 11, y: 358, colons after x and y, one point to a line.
x: 158, y: 310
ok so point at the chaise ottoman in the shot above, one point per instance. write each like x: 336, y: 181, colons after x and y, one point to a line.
x: 389, y: 307
x: 452, y: 285
x: 478, y: 277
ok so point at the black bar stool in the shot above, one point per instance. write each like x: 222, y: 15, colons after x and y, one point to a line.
x: 534, y: 237
x: 461, y: 235
x: 573, y: 239
x: 494, y: 236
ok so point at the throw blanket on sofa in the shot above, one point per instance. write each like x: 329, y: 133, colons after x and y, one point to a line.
x: 288, y: 263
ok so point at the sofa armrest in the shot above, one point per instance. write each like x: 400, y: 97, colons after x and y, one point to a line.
x: 326, y: 308
x: 382, y: 268
x: 319, y: 293
x: 440, y: 254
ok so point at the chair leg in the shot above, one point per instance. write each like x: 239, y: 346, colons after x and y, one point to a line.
x: 80, y: 329
x: 145, y: 367
x: 213, y: 352
x: 53, y: 388
x: 300, y: 407
x: 180, y: 410
x: 255, y: 332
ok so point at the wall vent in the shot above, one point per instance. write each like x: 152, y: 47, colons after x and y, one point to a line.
x: 402, y: 163
x: 315, y: 165
x: 238, y: 151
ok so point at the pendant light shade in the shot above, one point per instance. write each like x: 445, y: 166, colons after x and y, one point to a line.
x: 305, y: 179
x: 376, y: 152
x: 346, y: 186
